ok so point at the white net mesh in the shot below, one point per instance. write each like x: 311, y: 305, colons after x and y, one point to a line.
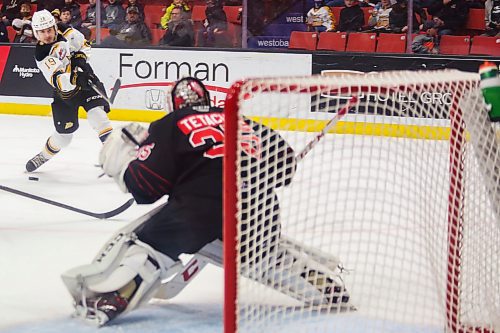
x: 417, y: 244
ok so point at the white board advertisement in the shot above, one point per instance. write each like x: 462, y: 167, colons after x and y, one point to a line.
x: 147, y: 74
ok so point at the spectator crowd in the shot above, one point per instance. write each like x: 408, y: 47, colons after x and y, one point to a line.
x: 431, y: 18
x: 128, y: 23
x: 124, y: 23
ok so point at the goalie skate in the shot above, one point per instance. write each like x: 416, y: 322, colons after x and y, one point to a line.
x: 304, y: 277
x: 101, y: 309
x: 335, y: 295
x: 36, y: 162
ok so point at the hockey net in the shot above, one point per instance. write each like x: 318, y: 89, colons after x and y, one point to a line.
x: 404, y: 190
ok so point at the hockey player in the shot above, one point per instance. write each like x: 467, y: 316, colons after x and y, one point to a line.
x: 61, y: 55
x: 181, y: 156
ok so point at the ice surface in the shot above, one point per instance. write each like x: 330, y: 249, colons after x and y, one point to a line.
x: 39, y: 241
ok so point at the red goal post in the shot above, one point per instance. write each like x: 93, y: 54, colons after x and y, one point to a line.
x: 406, y: 193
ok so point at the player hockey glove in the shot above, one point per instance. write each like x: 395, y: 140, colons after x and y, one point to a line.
x: 79, y: 60
x: 81, y: 78
x: 119, y: 149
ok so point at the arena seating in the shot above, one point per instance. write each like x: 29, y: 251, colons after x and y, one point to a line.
x: 104, y: 33
x: 482, y: 45
x: 458, y: 45
x: 156, y: 35
x: 475, y: 20
x: 469, y: 43
x: 303, y: 40
x: 153, y: 15
x: 336, y: 14
x: 11, y: 32
x: 233, y: 14
x: 332, y: 41
x: 83, y: 10
x: 391, y: 43
x: 361, y: 42
x: 198, y: 13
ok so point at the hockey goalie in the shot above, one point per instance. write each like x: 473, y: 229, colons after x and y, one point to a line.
x: 180, y: 156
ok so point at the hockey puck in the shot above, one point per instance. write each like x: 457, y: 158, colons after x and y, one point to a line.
x: 33, y: 178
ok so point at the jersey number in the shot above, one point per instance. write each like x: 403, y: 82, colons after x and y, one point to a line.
x: 250, y: 143
x: 200, y: 137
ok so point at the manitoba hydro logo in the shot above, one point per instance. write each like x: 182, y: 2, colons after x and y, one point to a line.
x: 25, y: 72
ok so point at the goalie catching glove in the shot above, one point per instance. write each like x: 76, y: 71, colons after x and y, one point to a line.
x: 119, y: 149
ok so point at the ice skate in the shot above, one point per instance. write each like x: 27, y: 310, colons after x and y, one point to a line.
x: 102, y: 309
x: 36, y: 162
x: 334, y: 292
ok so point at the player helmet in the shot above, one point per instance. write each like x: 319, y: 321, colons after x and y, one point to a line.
x: 190, y: 92
x: 41, y: 20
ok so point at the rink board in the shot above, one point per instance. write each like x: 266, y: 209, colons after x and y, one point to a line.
x: 146, y: 76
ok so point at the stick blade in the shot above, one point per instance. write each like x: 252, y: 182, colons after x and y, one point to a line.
x: 116, y: 211
x: 114, y: 92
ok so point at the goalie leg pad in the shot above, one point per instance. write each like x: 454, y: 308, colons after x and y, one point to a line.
x: 307, y: 275
x: 122, y: 277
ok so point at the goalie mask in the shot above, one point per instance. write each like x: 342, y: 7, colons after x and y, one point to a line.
x: 190, y: 92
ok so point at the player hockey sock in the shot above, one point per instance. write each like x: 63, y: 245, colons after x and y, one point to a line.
x: 103, y: 135
x: 46, y: 154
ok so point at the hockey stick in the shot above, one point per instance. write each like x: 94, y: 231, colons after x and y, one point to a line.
x: 99, y: 92
x: 115, y: 88
x: 101, y: 216
x: 329, y: 125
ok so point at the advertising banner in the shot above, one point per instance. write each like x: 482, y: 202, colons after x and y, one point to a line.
x: 405, y: 103
x: 20, y: 76
x: 147, y: 74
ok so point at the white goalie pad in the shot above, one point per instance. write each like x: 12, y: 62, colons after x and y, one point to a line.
x: 305, y: 274
x: 185, y: 273
x: 123, y: 276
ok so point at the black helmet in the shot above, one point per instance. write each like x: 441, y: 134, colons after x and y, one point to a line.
x: 190, y: 92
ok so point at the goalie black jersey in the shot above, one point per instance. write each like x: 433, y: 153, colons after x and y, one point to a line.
x: 182, y: 156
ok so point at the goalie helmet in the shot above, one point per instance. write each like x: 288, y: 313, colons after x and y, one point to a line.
x: 41, y: 20
x: 190, y: 92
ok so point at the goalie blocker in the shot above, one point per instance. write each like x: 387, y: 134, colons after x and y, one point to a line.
x: 181, y: 156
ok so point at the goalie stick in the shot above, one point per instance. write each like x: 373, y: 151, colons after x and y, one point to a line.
x: 101, y: 216
x: 329, y: 125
